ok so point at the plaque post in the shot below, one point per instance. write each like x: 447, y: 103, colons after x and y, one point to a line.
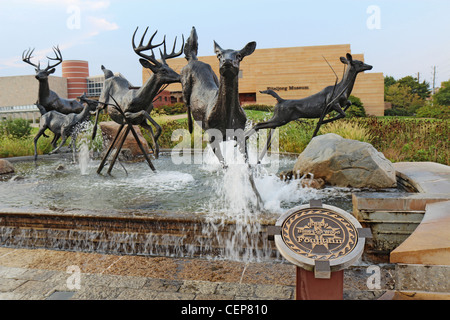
x: 322, y: 241
x: 308, y: 287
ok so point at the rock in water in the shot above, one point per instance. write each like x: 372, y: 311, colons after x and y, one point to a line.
x: 6, y: 167
x: 346, y: 163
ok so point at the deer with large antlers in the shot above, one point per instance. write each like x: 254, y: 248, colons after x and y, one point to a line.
x: 49, y: 100
x: 214, y: 103
x: 136, y: 104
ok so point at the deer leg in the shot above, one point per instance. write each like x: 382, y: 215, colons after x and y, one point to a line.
x: 268, y: 144
x: 341, y: 114
x: 347, y: 105
x: 56, y: 136
x: 102, y: 164
x: 36, y: 138
x: 149, y: 128
x: 131, y: 116
x: 116, y: 155
x: 335, y: 107
x: 142, y: 148
x: 63, y: 140
x: 74, y: 146
x: 158, y: 133
x: 270, y: 124
x: 319, y: 124
x: 215, y: 146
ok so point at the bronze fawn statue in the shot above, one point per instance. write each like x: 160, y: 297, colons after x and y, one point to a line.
x: 64, y: 125
x: 315, y: 106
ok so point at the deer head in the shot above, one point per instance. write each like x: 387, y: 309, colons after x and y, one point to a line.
x: 229, y: 60
x: 159, y: 69
x: 358, y: 66
x: 42, y: 74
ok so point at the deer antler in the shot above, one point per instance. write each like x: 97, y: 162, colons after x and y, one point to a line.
x: 27, y: 56
x: 173, y: 54
x: 149, y: 46
x: 57, y: 58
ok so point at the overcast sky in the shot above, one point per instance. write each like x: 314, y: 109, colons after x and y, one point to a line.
x: 397, y: 37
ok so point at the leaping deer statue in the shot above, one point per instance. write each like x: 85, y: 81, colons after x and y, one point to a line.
x: 316, y: 106
x: 133, y: 106
x: 214, y: 103
x: 49, y: 100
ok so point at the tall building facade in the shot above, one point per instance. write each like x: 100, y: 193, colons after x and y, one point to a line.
x: 295, y: 73
x: 76, y: 72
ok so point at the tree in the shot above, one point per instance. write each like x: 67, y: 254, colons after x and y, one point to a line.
x: 401, y: 97
x: 442, y: 97
x: 421, y: 89
x: 389, y: 81
x: 406, y: 94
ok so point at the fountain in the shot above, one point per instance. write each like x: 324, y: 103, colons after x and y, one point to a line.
x: 217, y: 206
x: 197, y: 210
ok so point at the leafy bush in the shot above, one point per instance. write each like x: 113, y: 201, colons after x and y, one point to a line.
x: 15, y: 128
x: 171, y: 109
x: 356, y: 109
x: 434, y: 111
x: 397, y: 112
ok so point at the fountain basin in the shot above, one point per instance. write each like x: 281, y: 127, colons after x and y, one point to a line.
x: 152, y: 234
x: 190, y: 210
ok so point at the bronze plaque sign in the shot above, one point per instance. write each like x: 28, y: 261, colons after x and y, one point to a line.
x: 319, y: 234
x: 325, y: 234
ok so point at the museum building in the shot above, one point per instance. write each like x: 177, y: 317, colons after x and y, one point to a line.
x: 294, y: 73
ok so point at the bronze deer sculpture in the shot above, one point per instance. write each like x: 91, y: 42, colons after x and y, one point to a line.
x: 214, y: 103
x: 133, y: 106
x: 49, y: 100
x: 64, y: 125
x: 315, y: 106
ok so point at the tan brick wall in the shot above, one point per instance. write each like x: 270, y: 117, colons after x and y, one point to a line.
x: 296, y: 67
x: 23, y: 90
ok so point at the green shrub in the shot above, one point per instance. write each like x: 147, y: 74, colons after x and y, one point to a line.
x: 356, y: 109
x: 15, y: 128
x: 434, y: 111
x: 171, y: 109
x: 397, y: 112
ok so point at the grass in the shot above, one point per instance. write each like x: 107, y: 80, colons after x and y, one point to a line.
x: 13, y: 147
x: 347, y: 130
x: 398, y: 138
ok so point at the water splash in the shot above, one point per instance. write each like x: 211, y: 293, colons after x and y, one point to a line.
x: 83, y: 157
x: 234, y: 206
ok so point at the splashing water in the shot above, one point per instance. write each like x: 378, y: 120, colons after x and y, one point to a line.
x: 83, y: 157
x: 234, y: 199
